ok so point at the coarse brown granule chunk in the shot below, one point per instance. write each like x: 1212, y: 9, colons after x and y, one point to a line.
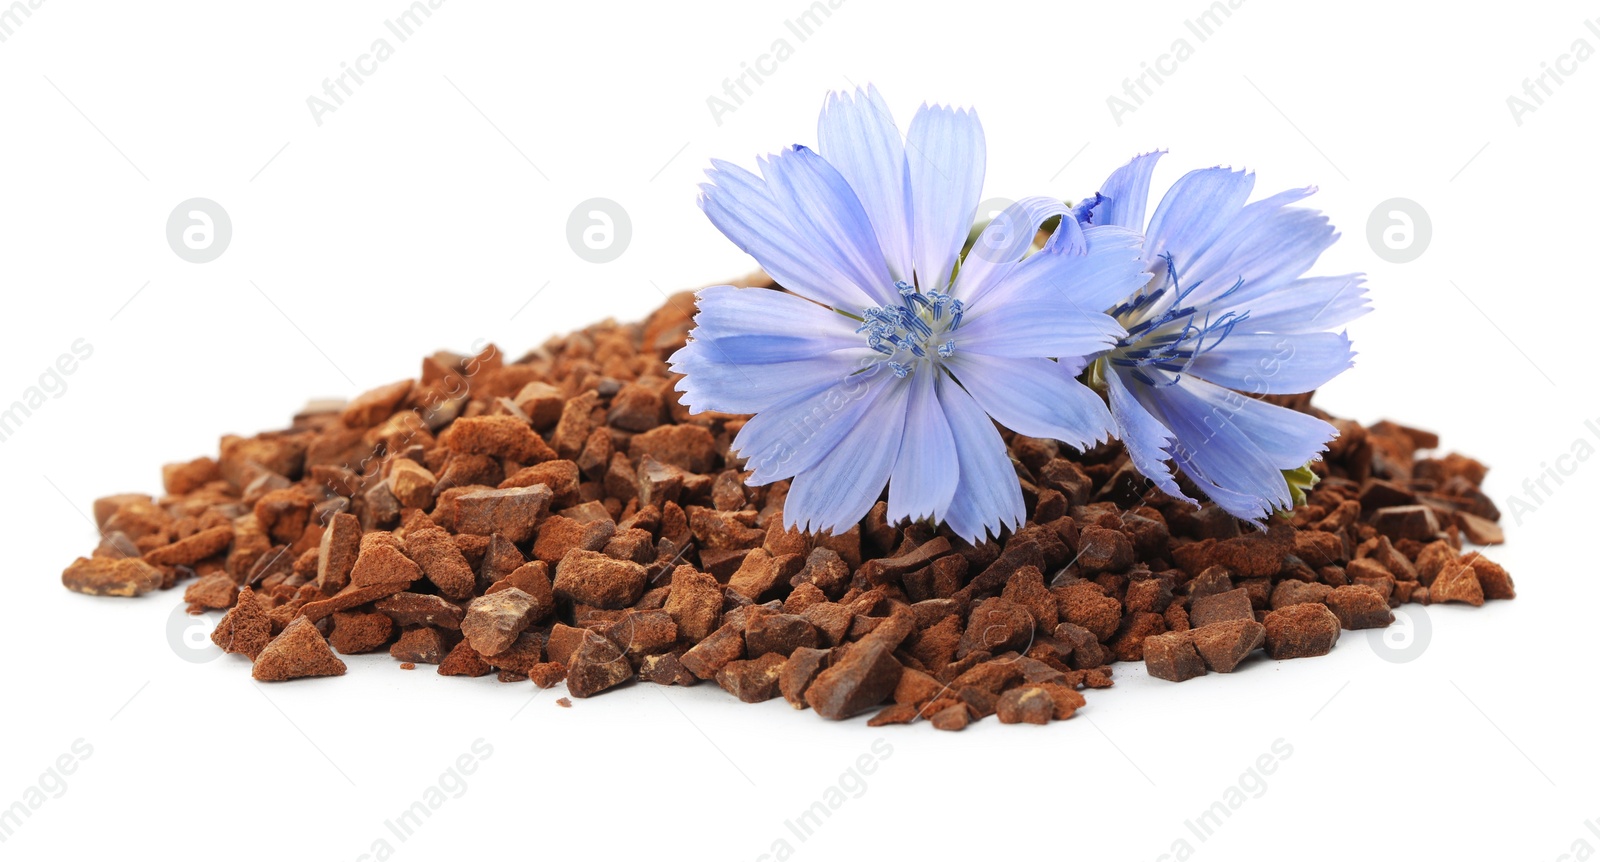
x: 1492, y: 578
x: 492, y: 622
x: 108, y: 576
x: 666, y: 669
x: 519, y: 658
x: 778, y: 633
x: 416, y: 609
x: 190, y: 476
x: 421, y: 646
x: 501, y: 436
x: 244, y: 629
x: 1301, y: 631
x: 463, y: 660
x: 337, y: 552
x: 358, y: 632
x: 752, y: 680
x: 191, y: 550
x: 1359, y: 607
x: 512, y: 512
x: 375, y: 405
x: 1231, y: 605
x: 710, y: 655
x: 1224, y: 644
x: 687, y: 447
x: 381, y: 561
x: 595, y: 579
x: 441, y: 560
x: 212, y: 592
x: 862, y: 678
x: 412, y: 484
x: 1027, y: 704
x: 1457, y: 582
x: 596, y: 665
x: 298, y: 651
x: 546, y: 674
x: 1172, y: 656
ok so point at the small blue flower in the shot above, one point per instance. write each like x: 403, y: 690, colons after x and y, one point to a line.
x: 889, y: 357
x: 1225, y: 311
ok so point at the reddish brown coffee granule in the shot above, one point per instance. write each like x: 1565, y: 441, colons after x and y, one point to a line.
x: 563, y: 518
x: 298, y: 651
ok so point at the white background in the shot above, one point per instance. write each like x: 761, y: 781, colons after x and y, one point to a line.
x: 432, y: 206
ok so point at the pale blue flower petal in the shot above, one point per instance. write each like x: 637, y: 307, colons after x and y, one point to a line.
x: 857, y: 135
x: 926, y: 470
x: 711, y: 382
x: 1043, y: 326
x: 1275, y: 363
x: 794, y: 434
x: 988, y: 497
x: 751, y: 326
x: 945, y: 149
x: 1002, y: 244
x: 739, y: 203
x: 1146, y: 440
x: 1108, y: 270
x: 828, y: 217
x: 1236, y: 447
x: 842, y: 486
x: 1194, y: 212
x: 1126, y: 193
x: 1030, y: 397
x: 1311, y: 305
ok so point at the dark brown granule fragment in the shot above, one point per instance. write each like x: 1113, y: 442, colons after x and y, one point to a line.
x: 564, y: 703
x: 356, y: 632
x: 596, y: 665
x: 547, y: 674
x: 108, y: 576
x: 492, y: 622
x: 212, y: 592
x: 595, y: 579
x: 1223, y: 645
x: 1025, y: 705
x: 1360, y: 607
x: 1301, y: 631
x: 463, y: 660
x: 1172, y: 656
x: 245, y: 628
x: 422, y: 646
x: 752, y: 680
x: 863, y: 678
x: 298, y: 651
x: 406, y: 665
x: 1457, y: 582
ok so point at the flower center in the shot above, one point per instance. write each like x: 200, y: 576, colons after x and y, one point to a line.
x: 914, y: 332
x: 1165, y: 331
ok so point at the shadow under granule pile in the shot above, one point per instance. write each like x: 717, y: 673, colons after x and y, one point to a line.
x: 562, y: 517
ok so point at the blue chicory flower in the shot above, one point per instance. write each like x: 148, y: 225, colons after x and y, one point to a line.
x: 1225, y: 311
x: 889, y: 357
